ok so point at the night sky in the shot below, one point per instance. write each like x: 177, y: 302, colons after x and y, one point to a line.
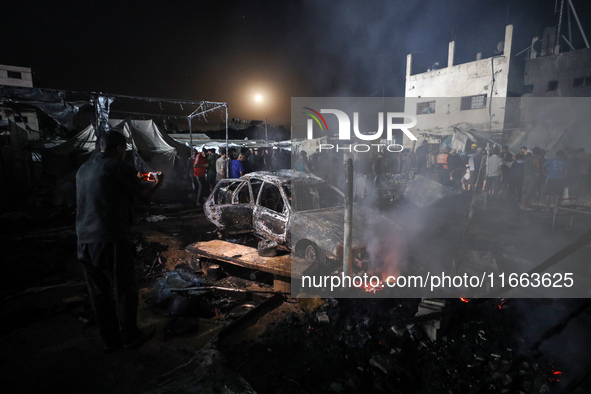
x: 231, y: 50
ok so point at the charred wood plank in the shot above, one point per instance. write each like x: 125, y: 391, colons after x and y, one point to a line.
x: 243, y: 256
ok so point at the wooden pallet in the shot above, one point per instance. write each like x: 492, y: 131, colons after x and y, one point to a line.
x: 248, y: 257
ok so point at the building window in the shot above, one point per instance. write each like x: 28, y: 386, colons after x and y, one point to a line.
x: 428, y: 107
x: 14, y: 74
x: 552, y: 85
x: 528, y: 89
x: 583, y: 81
x: 21, y: 119
x: 473, y: 102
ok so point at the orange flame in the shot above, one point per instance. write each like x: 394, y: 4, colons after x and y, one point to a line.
x: 148, y: 176
x: 373, y: 289
x: 466, y: 300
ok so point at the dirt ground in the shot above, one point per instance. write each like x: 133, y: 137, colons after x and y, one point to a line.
x: 49, y: 339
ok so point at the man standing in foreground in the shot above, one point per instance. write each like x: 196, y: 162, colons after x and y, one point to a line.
x: 105, y: 193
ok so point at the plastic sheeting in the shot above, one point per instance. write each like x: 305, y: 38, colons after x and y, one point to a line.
x: 83, y: 142
x: 150, y: 149
x: 158, y: 152
x: 56, y: 104
x: 102, y: 107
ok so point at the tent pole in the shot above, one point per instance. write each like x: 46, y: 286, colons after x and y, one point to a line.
x: 190, y: 131
x: 227, y: 151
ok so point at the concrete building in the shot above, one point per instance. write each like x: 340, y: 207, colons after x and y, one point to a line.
x: 24, y: 118
x: 553, y: 74
x: 16, y: 76
x: 556, y: 95
x: 474, y: 96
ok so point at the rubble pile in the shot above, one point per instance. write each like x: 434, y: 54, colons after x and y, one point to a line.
x: 355, y: 346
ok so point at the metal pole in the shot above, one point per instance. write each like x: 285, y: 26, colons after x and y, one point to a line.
x: 191, y: 132
x: 227, y: 150
x: 578, y: 22
x: 487, y: 186
x: 266, y: 137
x: 348, y: 231
x: 557, y: 41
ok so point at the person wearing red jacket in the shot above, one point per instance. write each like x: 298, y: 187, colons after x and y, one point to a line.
x: 199, y: 170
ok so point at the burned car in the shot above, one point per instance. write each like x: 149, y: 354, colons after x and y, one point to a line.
x: 298, y: 211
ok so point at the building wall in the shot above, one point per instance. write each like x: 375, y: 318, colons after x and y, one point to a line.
x: 563, y: 68
x: 562, y: 110
x: 22, y: 77
x: 16, y: 76
x: 447, y: 86
x: 31, y: 124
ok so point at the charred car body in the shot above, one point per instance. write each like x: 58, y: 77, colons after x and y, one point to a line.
x: 298, y: 211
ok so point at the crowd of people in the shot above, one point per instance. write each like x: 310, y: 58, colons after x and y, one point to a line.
x: 526, y: 177
x: 208, y: 166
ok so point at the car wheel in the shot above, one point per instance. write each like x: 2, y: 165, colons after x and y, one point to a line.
x: 312, y: 252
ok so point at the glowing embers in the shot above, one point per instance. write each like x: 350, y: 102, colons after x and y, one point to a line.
x: 555, y: 375
x: 373, y: 288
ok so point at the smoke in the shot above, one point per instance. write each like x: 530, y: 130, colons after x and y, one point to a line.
x: 555, y: 123
x: 386, y: 245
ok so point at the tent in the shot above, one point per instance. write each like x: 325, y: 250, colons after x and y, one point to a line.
x: 151, y: 149
x: 83, y: 142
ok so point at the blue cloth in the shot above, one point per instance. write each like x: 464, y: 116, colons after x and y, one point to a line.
x: 556, y: 168
x: 237, y: 168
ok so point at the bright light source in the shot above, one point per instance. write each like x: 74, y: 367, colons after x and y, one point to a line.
x: 258, y: 98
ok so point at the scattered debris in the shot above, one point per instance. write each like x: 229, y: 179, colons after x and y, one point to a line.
x: 322, y: 317
x: 155, y: 218
x: 429, y: 306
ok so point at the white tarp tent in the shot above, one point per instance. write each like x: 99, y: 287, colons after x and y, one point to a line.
x: 151, y: 149
x: 157, y: 151
x: 83, y: 142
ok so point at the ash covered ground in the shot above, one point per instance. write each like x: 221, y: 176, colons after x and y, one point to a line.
x: 49, y: 338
